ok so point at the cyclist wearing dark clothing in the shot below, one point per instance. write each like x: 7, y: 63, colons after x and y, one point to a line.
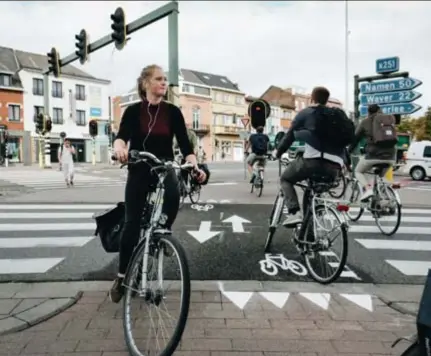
x: 259, y: 147
x: 149, y: 125
x: 314, y: 159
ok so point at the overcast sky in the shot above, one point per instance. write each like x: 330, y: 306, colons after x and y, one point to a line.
x: 256, y: 44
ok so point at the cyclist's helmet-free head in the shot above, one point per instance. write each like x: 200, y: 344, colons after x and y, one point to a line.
x: 372, y: 109
x: 259, y: 129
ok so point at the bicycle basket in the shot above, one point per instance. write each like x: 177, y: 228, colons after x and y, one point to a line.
x: 109, y: 225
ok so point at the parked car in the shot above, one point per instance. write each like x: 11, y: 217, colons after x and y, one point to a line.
x: 418, y: 160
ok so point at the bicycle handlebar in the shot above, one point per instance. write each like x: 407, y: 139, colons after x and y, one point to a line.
x: 143, y: 156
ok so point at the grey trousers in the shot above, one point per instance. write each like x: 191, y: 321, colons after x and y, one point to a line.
x: 365, y: 165
x: 299, y: 170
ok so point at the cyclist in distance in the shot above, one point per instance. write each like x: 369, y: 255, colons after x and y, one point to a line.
x: 259, y: 147
x: 318, y: 158
x: 381, y: 138
x: 149, y: 125
x: 194, y: 143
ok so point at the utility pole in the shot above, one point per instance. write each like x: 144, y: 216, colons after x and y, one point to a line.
x: 47, y: 141
x: 173, y: 56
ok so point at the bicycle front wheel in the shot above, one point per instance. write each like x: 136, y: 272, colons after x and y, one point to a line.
x: 330, y: 230
x: 154, y: 298
x: 388, y: 217
x: 356, y: 210
x: 274, y: 220
x: 195, y: 193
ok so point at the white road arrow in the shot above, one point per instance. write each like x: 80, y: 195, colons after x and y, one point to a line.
x: 236, y: 222
x: 204, y: 233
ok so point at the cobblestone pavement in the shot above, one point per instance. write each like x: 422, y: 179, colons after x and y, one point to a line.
x: 217, y: 327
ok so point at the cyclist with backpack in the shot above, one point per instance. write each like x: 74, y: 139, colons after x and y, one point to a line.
x: 326, y: 133
x: 381, y: 138
x: 259, y: 147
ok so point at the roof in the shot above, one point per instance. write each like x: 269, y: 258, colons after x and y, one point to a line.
x: 280, y: 97
x: 36, y: 62
x: 213, y: 80
x: 9, y: 64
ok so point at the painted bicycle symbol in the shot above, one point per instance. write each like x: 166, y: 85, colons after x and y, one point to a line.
x: 205, y: 207
x: 271, y: 263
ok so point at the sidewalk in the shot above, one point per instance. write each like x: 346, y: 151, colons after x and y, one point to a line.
x: 221, y: 323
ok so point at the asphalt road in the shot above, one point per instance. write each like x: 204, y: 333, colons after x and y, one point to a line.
x: 40, y: 242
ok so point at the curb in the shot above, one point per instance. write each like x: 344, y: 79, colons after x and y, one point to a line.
x: 397, y: 307
x: 37, y: 314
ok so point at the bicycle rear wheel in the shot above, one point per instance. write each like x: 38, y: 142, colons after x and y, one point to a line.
x: 322, y: 244
x: 195, y: 193
x: 259, y: 188
x: 341, y: 186
x: 354, y: 199
x: 162, y: 246
x: 393, y: 215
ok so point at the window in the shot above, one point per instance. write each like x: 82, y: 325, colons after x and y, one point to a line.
x: 225, y: 98
x: 57, y: 89
x: 202, y: 91
x: 427, y: 152
x: 238, y: 100
x: 5, y: 80
x: 196, y: 117
x: 37, y: 86
x: 80, y: 118
x: 57, y: 116
x: 14, y: 112
x: 215, y: 120
x: 223, y: 80
x: 80, y: 92
x: 186, y: 88
x: 37, y: 110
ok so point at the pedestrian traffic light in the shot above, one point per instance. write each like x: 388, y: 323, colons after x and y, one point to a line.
x: 82, y: 46
x: 63, y: 134
x: 107, y: 129
x: 120, y: 28
x: 48, y: 125
x: 54, y: 62
x: 259, y: 111
x: 92, y: 125
x: 40, y: 118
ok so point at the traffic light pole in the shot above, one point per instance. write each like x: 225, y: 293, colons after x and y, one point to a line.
x: 47, y: 141
x: 173, y: 55
x: 93, y: 159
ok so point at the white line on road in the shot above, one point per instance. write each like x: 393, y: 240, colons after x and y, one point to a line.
x: 47, y: 215
x: 55, y: 206
x: 411, y: 230
x: 49, y: 227
x: 28, y: 265
x: 403, y: 211
x: 407, y: 245
x: 404, y: 219
x: 411, y: 268
x: 30, y: 242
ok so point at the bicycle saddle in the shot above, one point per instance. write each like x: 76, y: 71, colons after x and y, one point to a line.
x: 379, y: 167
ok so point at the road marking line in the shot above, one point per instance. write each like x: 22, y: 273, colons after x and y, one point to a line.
x: 411, y: 268
x: 30, y: 242
x: 55, y: 206
x: 28, y: 265
x: 407, y: 245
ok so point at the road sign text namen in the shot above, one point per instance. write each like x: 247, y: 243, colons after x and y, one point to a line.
x: 389, y: 85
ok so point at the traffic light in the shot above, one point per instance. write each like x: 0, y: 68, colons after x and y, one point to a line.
x: 63, y: 134
x: 108, y: 129
x: 40, y: 123
x: 54, y: 62
x: 259, y: 111
x: 82, y: 46
x: 397, y: 119
x: 48, y: 125
x: 92, y: 125
x: 120, y: 28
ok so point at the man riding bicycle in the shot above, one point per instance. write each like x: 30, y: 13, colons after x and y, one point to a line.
x: 194, y: 143
x: 259, y: 148
x: 381, y: 139
x: 326, y: 132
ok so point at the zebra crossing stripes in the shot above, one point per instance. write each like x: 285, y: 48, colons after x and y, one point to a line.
x: 404, y: 251
x: 54, y: 179
x: 37, y: 238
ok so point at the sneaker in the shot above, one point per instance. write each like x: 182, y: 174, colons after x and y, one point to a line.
x: 293, y: 219
x: 367, y: 195
x: 117, y: 290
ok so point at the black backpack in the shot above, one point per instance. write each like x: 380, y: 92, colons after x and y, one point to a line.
x: 261, y: 144
x: 333, y: 128
x: 109, y: 225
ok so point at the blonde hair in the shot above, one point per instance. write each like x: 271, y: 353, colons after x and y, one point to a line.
x: 145, y: 75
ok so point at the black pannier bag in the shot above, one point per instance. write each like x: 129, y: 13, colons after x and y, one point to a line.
x: 109, y: 224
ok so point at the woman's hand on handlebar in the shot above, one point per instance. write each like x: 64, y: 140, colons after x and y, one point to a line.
x: 200, y: 175
x: 121, y: 154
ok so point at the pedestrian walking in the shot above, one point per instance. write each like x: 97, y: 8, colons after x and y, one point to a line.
x: 65, y: 157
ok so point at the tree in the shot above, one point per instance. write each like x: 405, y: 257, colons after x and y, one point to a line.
x: 423, y: 126
x: 406, y: 125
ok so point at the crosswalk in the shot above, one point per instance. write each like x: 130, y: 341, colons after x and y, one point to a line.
x: 412, y: 241
x: 36, y: 238
x: 45, y: 179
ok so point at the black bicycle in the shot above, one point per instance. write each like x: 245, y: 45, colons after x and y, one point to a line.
x: 258, y: 174
x: 318, y: 210
x: 191, y: 188
x: 155, y: 245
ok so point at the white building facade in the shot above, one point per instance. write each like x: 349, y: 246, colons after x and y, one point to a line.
x: 73, y: 102
x: 273, y: 123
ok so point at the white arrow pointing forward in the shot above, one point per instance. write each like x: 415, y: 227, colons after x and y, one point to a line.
x: 236, y: 222
x: 204, y: 233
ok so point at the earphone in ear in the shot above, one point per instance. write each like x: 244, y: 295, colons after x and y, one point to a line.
x: 151, y: 123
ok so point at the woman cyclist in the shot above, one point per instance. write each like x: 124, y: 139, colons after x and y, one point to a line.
x: 149, y: 125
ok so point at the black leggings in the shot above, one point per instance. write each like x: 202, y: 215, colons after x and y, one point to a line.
x: 137, y: 187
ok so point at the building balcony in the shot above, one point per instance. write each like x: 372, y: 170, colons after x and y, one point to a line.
x: 199, y: 128
x: 227, y: 130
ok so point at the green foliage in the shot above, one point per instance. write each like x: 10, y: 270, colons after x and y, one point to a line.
x: 420, y: 127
